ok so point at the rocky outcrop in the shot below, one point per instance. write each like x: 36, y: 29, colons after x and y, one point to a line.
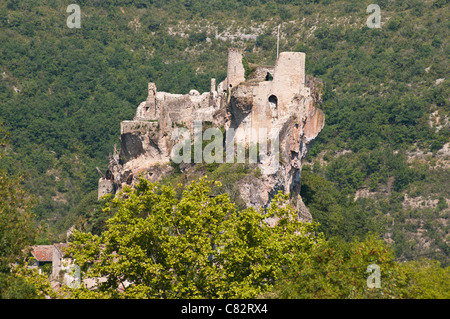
x: 277, y: 103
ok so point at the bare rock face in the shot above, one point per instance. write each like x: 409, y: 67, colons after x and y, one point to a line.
x: 279, y: 100
x: 241, y: 103
x: 295, y: 137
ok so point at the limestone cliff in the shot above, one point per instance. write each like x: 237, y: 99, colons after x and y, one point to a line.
x: 279, y: 100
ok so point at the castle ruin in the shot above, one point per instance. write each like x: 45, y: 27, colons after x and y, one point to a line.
x: 269, y: 97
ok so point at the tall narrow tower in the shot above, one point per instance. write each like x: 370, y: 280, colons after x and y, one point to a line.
x: 235, y: 70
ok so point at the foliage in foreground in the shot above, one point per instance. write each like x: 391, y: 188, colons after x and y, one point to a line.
x: 16, y: 224
x: 164, y: 242
x: 196, y: 246
x: 339, y: 270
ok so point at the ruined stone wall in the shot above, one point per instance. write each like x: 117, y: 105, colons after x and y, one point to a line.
x: 183, y: 110
x: 261, y: 73
x: 268, y: 102
x: 146, y: 141
x: 165, y: 110
x: 137, y: 126
x: 290, y: 69
x: 105, y: 186
x: 176, y: 109
x: 288, y: 81
x: 147, y: 110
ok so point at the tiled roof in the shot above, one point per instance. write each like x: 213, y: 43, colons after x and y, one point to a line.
x: 42, y: 252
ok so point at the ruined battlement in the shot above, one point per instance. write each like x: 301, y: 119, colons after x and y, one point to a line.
x: 271, y: 94
x: 142, y: 126
x: 171, y: 109
x: 276, y: 92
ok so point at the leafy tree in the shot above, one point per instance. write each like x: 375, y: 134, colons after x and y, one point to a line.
x: 16, y: 224
x: 346, y: 173
x: 160, y: 245
x: 18, y: 288
x: 322, y: 200
x: 427, y: 279
x: 337, y: 214
x: 196, y: 246
x: 26, y: 283
x: 338, y: 270
x: 16, y: 217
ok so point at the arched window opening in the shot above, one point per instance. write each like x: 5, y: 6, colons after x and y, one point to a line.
x: 273, y: 101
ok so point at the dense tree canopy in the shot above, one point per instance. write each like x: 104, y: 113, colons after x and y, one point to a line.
x: 164, y: 244
x: 17, y: 229
x: 196, y: 246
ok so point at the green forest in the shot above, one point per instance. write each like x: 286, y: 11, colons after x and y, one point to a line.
x: 381, y: 165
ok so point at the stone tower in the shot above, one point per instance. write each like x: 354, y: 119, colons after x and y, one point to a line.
x: 150, y: 103
x: 148, y: 110
x: 105, y: 186
x: 235, y: 69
